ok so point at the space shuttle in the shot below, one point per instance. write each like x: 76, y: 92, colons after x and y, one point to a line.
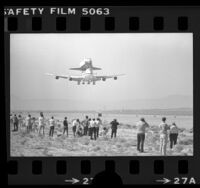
x: 85, y: 65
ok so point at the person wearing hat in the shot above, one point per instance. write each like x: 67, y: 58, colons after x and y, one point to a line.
x: 173, y: 135
x: 163, y: 136
x: 114, y: 125
x: 141, y: 129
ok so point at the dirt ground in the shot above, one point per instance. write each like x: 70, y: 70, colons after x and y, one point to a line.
x: 32, y: 144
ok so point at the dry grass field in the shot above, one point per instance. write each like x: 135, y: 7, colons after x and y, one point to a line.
x: 32, y: 144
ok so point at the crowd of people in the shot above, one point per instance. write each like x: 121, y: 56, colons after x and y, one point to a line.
x: 87, y: 127
x: 91, y: 127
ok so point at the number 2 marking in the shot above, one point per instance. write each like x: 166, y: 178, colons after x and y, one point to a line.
x: 85, y: 181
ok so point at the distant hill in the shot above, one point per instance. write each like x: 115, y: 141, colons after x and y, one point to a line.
x: 178, y: 103
x: 173, y: 111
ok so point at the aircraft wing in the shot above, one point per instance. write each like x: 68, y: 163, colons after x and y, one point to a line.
x: 104, y: 77
x: 84, y: 68
x: 71, y: 78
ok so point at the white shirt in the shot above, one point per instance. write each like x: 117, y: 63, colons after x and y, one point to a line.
x: 141, y: 127
x: 52, y: 122
x: 75, y: 123
x: 164, y: 128
x: 92, y: 123
x: 97, y: 123
x: 41, y: 121
x: 28, y: 121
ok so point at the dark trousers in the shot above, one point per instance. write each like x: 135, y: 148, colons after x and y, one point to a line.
x: 74, y: 130
x: 90, y: 131
x: 173, y: 139
x: 15, y: 126
x: 65, y: 130
x: 97, y: 130
x: 140, y: 141
x: 85, y: 130
x: 51, y: 131
x: 113, y: 133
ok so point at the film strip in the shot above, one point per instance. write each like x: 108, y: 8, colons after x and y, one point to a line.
x: 88, y: 20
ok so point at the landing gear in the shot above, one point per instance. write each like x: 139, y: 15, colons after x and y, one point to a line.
x: 88, y: 83
x: 94, y: 83
x: 78, y: 83
x: 83, y: 83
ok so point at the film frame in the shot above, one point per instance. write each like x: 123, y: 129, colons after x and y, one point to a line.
x: 132, y: 170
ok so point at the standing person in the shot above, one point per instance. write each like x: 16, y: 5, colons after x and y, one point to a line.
x: 89, y: 127
x: 98, y: 123
x: 114, y: 125
x: 163, y: 136
x: 15, y: 123
x: 94, y: 129
x: 92, y: 122
x: 41, y: 123
x: 20, y: 121
x: 86, y: 124
x: 79, y: 129
x: 52, y: 126
x: 31, y: 124
x: 74, y: 126
x: 173, y: 135
x: 34, y: 124
x: 11, y: 118
x: 141, y: 129
x: 65, y: 126
x: 28, y: 123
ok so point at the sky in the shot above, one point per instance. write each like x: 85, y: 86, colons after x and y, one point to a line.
x: 155, y: 66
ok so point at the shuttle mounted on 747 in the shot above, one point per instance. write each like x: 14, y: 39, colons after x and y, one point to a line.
x: 87, y: 75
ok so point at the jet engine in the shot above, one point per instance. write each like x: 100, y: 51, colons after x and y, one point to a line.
x: 115, y: 78
x: 104, y: 79
x: 57, y: 77
x: 70, y: 79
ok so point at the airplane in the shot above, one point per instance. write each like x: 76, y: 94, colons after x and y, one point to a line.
x: 88, y: 76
